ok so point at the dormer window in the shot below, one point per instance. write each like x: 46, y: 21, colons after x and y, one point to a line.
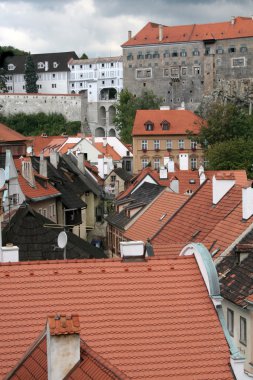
x: 149, y: 126
x: 165, y: 125
x: 41, y: 65
x: 11, y: 67
x: 55, y: 65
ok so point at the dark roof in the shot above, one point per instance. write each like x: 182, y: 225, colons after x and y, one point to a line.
x: 123, y: 174
x: 2, y: 160
x: 54, y: 62
x: 36, y: 242
x: 236, y: 277
x: 140, y: 198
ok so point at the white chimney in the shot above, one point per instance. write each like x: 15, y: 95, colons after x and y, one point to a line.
x: 160, y: 32
x: 101, y: 168
x: 163, y: 173
x: 247, y: 202
x: 63, y: 345
x: 202, y: 176
x: 183, y: 161
x: 232, y: 20
x: 221, y: 186
x: 104, y: 142
x: 54, y: 158
x: 174, y: 185
x: 80, y: 161
x: 131, y: 248
x: 171, y: 166
x: 129, y: 34
x: 164, y: 108
x: 9, y: 253
x: 27, y: 171
x: 43, y: 165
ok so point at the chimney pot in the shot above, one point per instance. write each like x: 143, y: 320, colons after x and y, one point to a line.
x: 129, y: 34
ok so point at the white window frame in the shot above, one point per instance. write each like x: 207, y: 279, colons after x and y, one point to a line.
x: 243, y: 330
x: 194, y: 163
x: 156, y: 144
x: 180, y: 144
x: 236, y: 59
x: 144, y: 144
x: 230, y: 321
x: 169, y: 144
x: 157, y: 163
x: 144, y: 163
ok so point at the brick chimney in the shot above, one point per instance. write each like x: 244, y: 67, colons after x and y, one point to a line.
x: 129, y: 34
x: 222, y: 183
x: 63, y: 345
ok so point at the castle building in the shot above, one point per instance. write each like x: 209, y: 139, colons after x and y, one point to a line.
x: 184, y: 63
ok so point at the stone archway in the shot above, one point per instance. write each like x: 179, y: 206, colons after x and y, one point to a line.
x: 99, y: 132
x: 102, y: 116
x: 112, y: 133
x: 112, y: 114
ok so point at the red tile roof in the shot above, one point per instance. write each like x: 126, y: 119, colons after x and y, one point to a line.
x: 38, y: 191
x: 8, y: 134
x: 180, y: 121
x: 45, y: 143
x: 155, y: 216
x: 108, y: 151
x: 200, y: 221
x: 242, y: 27
x: 61, y: 324
x: 132, y: 314
x: 65, y: 148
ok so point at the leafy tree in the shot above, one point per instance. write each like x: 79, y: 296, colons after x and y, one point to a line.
x: 231, y: 155
x: 36, y: 124
x: 126, y: 108
x: 84, y: 56
x: 31, y: 76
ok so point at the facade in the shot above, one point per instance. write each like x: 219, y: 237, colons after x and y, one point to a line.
x: 117, y: 181
x: 102, y: 78
x: 52, y: 70
x: 160, y: 137
x: 184, y: 63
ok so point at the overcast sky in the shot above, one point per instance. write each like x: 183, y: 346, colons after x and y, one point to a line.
x: 99, y: 27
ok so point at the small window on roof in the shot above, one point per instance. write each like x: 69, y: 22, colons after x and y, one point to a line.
x: 11, y: 66
x: 165, y: 125
x: 162, y: 217
x: 149, y: 126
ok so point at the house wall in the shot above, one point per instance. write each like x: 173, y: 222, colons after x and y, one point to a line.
x: 246, y: 350
x: 114, y: 237
x: 151, y: 154
x: 197, y: 75
x: 114, y: 187
x: 46, y: 208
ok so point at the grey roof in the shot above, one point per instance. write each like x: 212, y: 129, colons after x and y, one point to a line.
x: 140, y: 198
x: 36, y: 242
x: 96, y: 60
x: 55, y: 62
x: 123, y: 174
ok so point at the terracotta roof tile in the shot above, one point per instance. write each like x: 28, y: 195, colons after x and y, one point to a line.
x: 242, y: 27
x: 108, y: 151
x: 160, y: 210
x: 8, y: 134
x: 180, y: 121
x: 61, y: 324
x: 45, y: 143
x: 136, y: 318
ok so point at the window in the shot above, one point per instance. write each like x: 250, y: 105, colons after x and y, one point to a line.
x: 243, y: 49
x: 72, y: 85
x: 184, y: 71
x: 243, y: 331
x: 41, y: 65
x: 144, y: 145
x: 149, y: 126
x: 219, y: 50
x: 166, y: 54
x: 157, y: 163
x: 103, y: 74
x: 128, y: 166
x: 196, y: 70
x: 238, y: 62
x: 11, y: 66
x: 130, y: 57
x: 174, y: 54
x: 113, y: 178
x: 193, y: 145
x: 144, y: 163
x: 53, y: 75
x: 156, y: 144
x: 230, y: 321
x: 112, y: 81
x: 90, y: 66
x: 51, y: 210
x: 148, y: 55
x: 103, y: 65
x: 195, y: 52
x: 232, y: 49
x: 193, y: 163
x: 140, y: 55
x: 44, y: 212
x: 166, y: 72
x: 81, y: 66
x: 169, y: 144
x: 53, y: 85
x: 181, y: 144
x: 165, y: 125
x: 112, y: 64
x: 205, y: 163
x: 14, y: 198
x: 143, y: 73
x: 174, y: 72
x: 183, y: 53
x: 72, y: 68
x: 218, y: 61
x: 80, y: 84
x: 156, y: 54
x: 40, y: 211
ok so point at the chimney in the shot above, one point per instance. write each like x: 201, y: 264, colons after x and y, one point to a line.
x: 80, y: 161
x: 160, y: 32
x: 247, y: 202
x: 202, y: 176
x: 221, y: 185
x: 43, y: 165
x: 101, y: 168
x: 54, y: 158
x: 132, y: 249
x: 129, y: 34
x: 63, y: 345
x: 27, y: 171
x: 171, y: 166
x: 232, y: 20
x: 174, y: 185
x: 9, y: 254
x: 183, y: 161
x: 163, y: 174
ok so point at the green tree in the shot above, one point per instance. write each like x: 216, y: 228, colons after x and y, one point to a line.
x: 36, y: 124
x: 31, y: 76
x: 84, y: 56
x: 126, y: 108
x: 231, y: 155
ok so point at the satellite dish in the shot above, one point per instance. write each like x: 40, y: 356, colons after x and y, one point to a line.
x: 62, y: 239
x: 2, y: 178
x: 29, y: 150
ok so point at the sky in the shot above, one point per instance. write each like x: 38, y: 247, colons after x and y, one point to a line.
x: 99, y: 27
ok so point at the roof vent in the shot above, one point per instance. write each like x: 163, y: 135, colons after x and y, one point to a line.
x: 43, y: 135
